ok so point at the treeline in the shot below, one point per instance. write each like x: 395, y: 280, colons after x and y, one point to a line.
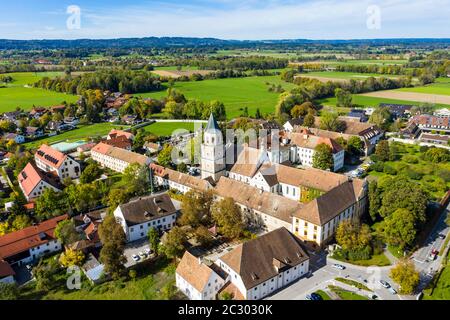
x: 360, y: 68
x: 10, y: 68
x: 178, y: 107
x: 238, y: 63
x: 124, y: 81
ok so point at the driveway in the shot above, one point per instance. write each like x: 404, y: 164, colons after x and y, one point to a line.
x: 133, y: 249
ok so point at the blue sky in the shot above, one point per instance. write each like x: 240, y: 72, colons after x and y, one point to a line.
x: 227, y: 19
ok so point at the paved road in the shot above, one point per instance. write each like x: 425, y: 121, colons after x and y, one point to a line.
x: 323, y: 273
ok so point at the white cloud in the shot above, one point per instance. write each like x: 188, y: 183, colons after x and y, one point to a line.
x: 276, y: 19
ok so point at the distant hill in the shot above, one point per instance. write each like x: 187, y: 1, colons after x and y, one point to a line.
x: 206, y: 42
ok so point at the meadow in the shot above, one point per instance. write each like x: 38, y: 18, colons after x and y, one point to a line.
x: 440, y: 86
x: 347, y: 75
x: 235, y: 93
x: 167, y: 128
x: 15, y: 94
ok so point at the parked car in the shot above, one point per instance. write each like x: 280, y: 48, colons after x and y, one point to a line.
x: 338, y: 266
x: 372, y: 296
x: 308, y: 297
x: 385, y: 284
x: 433, y: 254
x: 143, y: 255
x: 441, y: 236
x: 135, y: 257
x: 392, y: 290
x: 148, y: 251
x: 316, y: 296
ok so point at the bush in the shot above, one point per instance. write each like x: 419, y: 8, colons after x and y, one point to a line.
x: 377, y: 166
x: 423, y: 149
x: 444, y: 174
x: 410, y: 159
x: 389, y: 169
x: 414, y: 175
x: 360, y: 254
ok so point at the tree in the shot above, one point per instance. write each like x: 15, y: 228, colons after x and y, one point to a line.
x: 375, y: 197
x: 173, y: 244
x: 44, y: 276
x: 196, y: 208
x: 165, y: 156
x: 71, y: 258
x: 382, y: 150
x: 330, y: 121
x: 136, y: 179
x: 49, y: 204
x: 21, y: 222
x: 400, y: 229
x: 323, y: 157
x: 182, y: 167
x: 117, y: 196
x: 309, y: 120
x: 381, y: 117
x: 344, y: 98
x: 133, y: 274
x: 153, y: 239
x: 113, y: 240
x: 91, y: 173
x: 355, y: 146
x: 405, y: 274
x: 66, y: 233
x: 228, y: 216
x: 203, y: 236
x: 9, y: 291
x: 351, y: 235
x: 302, y: 110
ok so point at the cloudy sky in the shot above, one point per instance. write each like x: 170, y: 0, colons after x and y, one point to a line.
x: 226, y: 19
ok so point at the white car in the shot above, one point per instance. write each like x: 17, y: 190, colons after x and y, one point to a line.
x: 338, y: 266
x: 135, y: 257
x: 385, y: 284
x: 392, y: 290
x: 143, y: 255
x: 148, y: 251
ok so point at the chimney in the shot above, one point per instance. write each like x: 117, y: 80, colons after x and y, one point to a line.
x: 199, y: 260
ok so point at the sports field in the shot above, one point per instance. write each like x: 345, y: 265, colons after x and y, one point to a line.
x: 15, y: 94
x: 237, y: 93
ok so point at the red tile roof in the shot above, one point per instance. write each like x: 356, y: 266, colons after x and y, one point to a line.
x: 50, y: 156
x: 119, y: 142
x: 118, y: 133
x: 25, y: 239
x: 29, y: 178
x: 6, y: 270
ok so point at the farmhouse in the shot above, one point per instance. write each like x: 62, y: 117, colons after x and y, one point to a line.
x: 116, y: 159
x: 138, y: 216
x: 53, y: 161
x: 33, y: 182
x: 26, y: 245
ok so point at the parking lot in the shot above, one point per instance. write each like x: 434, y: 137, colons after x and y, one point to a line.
x: 135, y: 248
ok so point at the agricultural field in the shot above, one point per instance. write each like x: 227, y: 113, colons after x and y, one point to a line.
x: 15, y: 94
x: 325, y: 76
x: 237, y: 93
x: 167, y: 128
x: 175, y: 74
x: 410, y: 96
x: 369, y: 101
x: 83, y: 132
x: 441, y: 86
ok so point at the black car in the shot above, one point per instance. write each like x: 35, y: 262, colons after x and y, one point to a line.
x: 316, y: 296
x: 441, y: 236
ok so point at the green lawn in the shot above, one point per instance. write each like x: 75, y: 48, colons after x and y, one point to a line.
x: 364, y: 101
x: 237, y: 93
x: 346, y: 295
x: 379, y: 260
x: 442, y: 289
x: 323, y: 294
x: 81, y: 133
x: 353, y: 283
x: 167, y: 128
x: 15, y: 94
x: 150, y: 284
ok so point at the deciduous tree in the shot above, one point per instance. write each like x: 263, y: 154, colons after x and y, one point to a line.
x: 228, y: 216
x: 405, y: 274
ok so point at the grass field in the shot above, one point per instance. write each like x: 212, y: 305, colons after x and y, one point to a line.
x: 379, y: 260
x: 15, y: 94
x: 365, y: 101
x: 323, y: 294
x: 251, y: 92
x: 346, y: 295
x: 167, y: 128
x: 442, y: 289
x: 441, y: 86
x: 81, y: 133
x: 347, y: 75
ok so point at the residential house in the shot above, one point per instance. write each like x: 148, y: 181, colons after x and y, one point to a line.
x: 152, y: 147
x: 31, y: 243
x: 290, y: 125
x: 119, y: 142
x: 33, y: 182
x: 51, y: 160
x: 398, y: 111
x: 17, y: 138
x: 197, y: 280
x: 116, y: 159
x: 139, y: 215
x: 120, y: 133
x: 34, y: 132
x: 6, y: 273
